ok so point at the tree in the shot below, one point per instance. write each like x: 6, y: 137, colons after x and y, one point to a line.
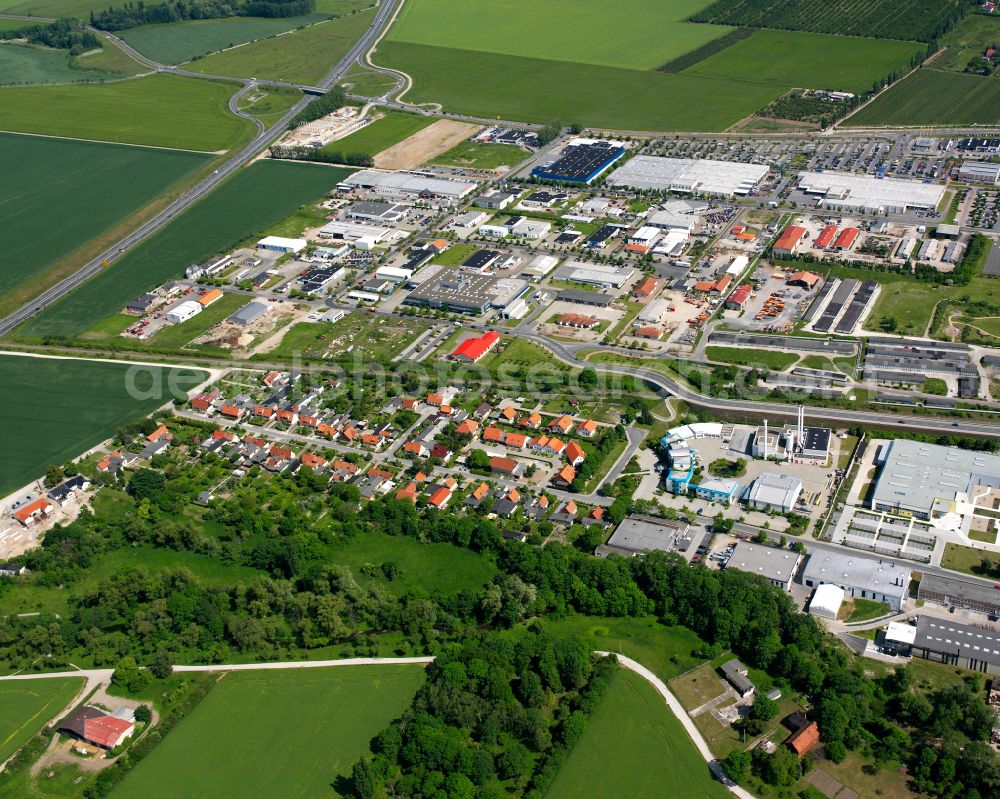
x: 737, y: 766
x: 364, y: 781
x: 53, y: 475
x: 143, y: 714
x: 512, y: 761
x: 162, y: 665
x: 479, y: 460
x: 128, y: 675
x: 146, y: 484
x: 763, y: 708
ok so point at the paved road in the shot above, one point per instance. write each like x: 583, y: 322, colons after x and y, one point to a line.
x: 261, y: 141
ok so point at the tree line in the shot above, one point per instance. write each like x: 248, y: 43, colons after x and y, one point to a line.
x: 132, y: 15
x: 62, y: 34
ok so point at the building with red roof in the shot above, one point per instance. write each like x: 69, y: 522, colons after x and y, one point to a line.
x: 28, y: 514
x: 804, y: 738
x: 846, y: 238
x: 789, y: 240
x: 738, y: 298
x: 440, y: 497
x: 826, y: 236
x: 94, y: 726
x: 472, y: 349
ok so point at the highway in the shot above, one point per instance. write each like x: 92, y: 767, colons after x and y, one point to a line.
x: 264, y: 138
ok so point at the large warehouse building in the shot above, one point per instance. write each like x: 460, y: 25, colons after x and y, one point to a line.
x: 412, y: 185
x: 933, y: 483
x: 867, y: 578
x: 844, y: 191
x: 689, y: 175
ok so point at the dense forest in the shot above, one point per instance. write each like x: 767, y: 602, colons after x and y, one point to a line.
x: 62, y: 34
x: 132, y: 15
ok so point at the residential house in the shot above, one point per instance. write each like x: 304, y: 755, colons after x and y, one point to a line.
x: 506, y: 466
x: 565, y: 476
x: 587, y: 428
x: 575, y: 454
x: 40, y: 509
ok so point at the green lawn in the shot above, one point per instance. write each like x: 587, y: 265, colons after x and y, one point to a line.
x: 457, y: 253
x: 381, y: 134
x: 178, y: 42
x: 634, y: 746
x: 23, y: 65
x: 291, y: 733
x: 61, y: 408
x: 253, y: 200
x: 477, y: 155
x: 968, y: 40
x: 434, y: 568
x: 368, y: 83
x: 933, y: 97
x: 534, y: 89
x: 808, y: 60
x: 769, y: 359
x: 269, y: 105
x: 142, y: 111
x: 301, y: 56
x: 581, y: 31
x: 26, y: 706
x: 964, y: 559
x: 867, y: 609
x: 374, y: 339
x: 47, y: 196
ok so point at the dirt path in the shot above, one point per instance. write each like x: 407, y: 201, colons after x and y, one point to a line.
x: 423, y: 145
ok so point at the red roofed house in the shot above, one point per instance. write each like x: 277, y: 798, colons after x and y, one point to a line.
x: 409, y: 492
x: 93, y: 725
x: 804, y: 279
x: 232, y: 411
x: 563, y: 424
x: 645, y: 288
x: 263, y: 412
x: 472, y: 349
x: 516, y: 440
x: 509, y: 413
x: 313, y: 461
x: 440, y: 497
x: 203, y: 402
x: 532, y: 421
x: 565, y: 476
x: 158, y: 433
x: 467, y: 428
x: 437, y: 400
x: 493, y: 434
x: 575, y: 454
x: 738, y: 298
x: 789, y: 240
x: 804, y: 738
x: 28, y: 514
x: 704, y: 285
x: 586, y: 428
x: 722, y: 284
x: 416, y: 449
x: 846, y: 239
x: 507, y: 466
x: 653, y: 333
x: 824, y: 239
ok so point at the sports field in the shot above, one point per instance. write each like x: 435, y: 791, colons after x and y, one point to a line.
x: 253, y: 200
x: 635, y: 34
x: 181, y: 41
x: 634, y: 746
x: 933, y: 97
x: 23, y: 65
x: 160, y: 110
x: 809, y: 60
x: 293, y: 733
x: 27, y: 705
x: 301, y: 56
x: 533, y: 89
x: 48, y: 191
x: 381, y: 134
x: 57, y: 409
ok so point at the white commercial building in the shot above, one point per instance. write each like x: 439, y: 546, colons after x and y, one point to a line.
x: 740, y: 262
x: 689, y: 175
x: 867, y: 578
x: 362, y: 236
x: 777, y: 492
x: 516, y: 310
x: 666, y: 220
x: 393, y: 273
x: 281, y: 244
x: 596, y: 274
x: 408, y: 184
x: 776, y: 565
x: 183, y: 312
x: 978, y: 172
x: 826, y: 601
x: 845, y: 191
x: 540, y: 266
x: 653, y: 312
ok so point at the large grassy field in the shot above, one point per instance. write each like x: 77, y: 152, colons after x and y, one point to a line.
x: 293, y: 733
x: 181, y: 41
x: 808, y: 60
x: 635, y: 34
x: 933, y: 97
x: 52, y: 8
x: 47, y: 197
x: 254, y: 199
x: 160, y: 110
x: 56, y: 409
x: 23, y: 65
x: 301, y: 56
x: 26, y: 706
x: 477, y: 155
x: 769, y: 359
x: 634, y: 746
x: 381, y: 134
x: 967, y: 40
x: 533, y: 89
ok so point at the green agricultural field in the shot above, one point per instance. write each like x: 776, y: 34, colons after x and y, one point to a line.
x: 769, y: 359
x: 371, y: 339
x: 26, y: 706
x: 25, y: 65
x: 269, y: 105
x: 933, y: 97
x: 110, y: 58
x: 808, y: 60
x: 292, y: 733
x: 477, y: 155
x: 968, y: 40
x: 13, y: 24
x: 432, y: 568
x: 381, y: 134
x: 73, y: 406
x: 178, y: 42
x: 301, y: 56
x: 580, y: 31
x: 58, y: 179
x: 253, y: 200
x: 532, y: 89
x: 52, y: 8
x: 160, y: 110
x: 634, y: 746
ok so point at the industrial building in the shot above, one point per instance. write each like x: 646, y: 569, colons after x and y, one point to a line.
x: 774, y: 492
x: 581, y: 297
x: 931, y: 482
x: 411, y: 185
x: 280, y: 244
x: 363, y: 237
x: 845, y: 191
x: 248, y: 313
x: 466, y: 292
x: 789, y: 241
x: 320, y: 278
x: 581, y: 161
x: 867, y: 578
x: 640, y: 534
x: 826, y: 601
x: 375, y: 212
x: 959, y: 592
x: 979, y: 172
x: 962, y: 645
x: 777, y: 566
x: 601, y: 275
x: 689, y: 175
x: 183, y: 311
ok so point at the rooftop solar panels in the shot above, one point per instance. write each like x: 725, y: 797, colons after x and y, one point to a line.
x: 857, y: 308
x: 580, y: 163
x: 844, y: 291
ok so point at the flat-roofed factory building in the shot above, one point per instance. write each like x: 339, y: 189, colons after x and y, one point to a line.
x: 689, y: 175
